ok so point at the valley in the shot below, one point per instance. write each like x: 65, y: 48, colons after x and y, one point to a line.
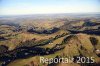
x: 24, y: 39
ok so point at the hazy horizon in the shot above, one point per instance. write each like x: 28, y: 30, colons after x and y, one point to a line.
x: 27, y: 7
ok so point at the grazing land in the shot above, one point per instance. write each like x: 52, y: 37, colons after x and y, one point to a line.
x: 24, y: 39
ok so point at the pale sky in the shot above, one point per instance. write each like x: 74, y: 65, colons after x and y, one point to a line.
x: 21, y: 7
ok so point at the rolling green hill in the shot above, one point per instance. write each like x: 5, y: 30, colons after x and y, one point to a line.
x: 24, y: 40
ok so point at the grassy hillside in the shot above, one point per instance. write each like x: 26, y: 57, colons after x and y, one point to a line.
x: 23, y: 40
x: 74, y: 46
